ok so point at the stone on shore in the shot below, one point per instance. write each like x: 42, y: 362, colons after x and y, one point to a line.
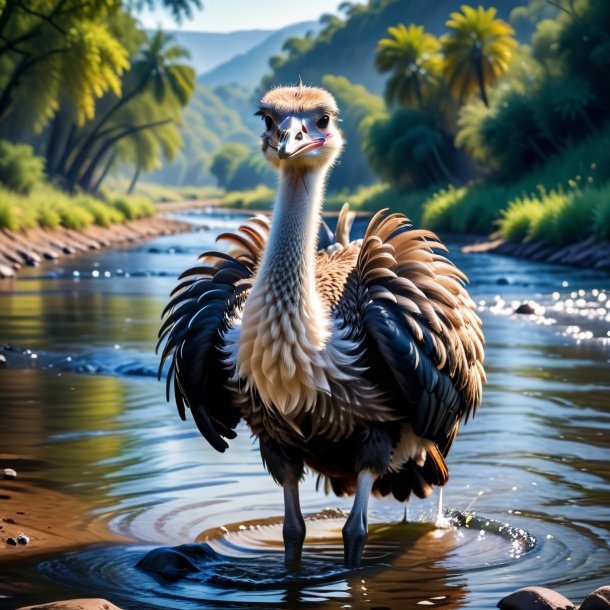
x: 598, y: 600
x: 535, y: 598
x: 74, y: 604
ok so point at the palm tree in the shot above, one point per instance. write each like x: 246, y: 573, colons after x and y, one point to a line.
x: 477, y: 50
x: 412, y: 55
x: 156, y: 69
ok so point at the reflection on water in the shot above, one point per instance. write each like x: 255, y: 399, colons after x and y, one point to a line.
x: 535, y: 457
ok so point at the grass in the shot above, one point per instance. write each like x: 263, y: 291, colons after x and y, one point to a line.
x: 46, y: 206
x: 558, y: 217
x: 260, y: 198
x: 562, y: 202
x: 165, y: 194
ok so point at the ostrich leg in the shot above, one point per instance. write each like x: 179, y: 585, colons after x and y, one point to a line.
x: 294, y: 525
x: 355, y: 530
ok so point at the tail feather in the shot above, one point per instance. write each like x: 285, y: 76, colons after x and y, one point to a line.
x: 414, y: 479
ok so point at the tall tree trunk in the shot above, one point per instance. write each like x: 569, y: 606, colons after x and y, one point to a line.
x: 134, y: 180
x: 441, y: 164
x: 53, y: 142
x: 102, y: 176
x: 85, y: 181
x: 76, y: 166
x: 481, y: 80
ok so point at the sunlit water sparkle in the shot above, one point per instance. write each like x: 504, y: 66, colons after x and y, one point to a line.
x: 89, y: 419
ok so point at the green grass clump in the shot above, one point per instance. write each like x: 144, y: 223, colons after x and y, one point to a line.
x: 469, y: 210
x: 516, y: 221
x: 260, y: 198
x: 375, y: 197
x: 133, y: 207
x: 439, y: 210
x: 49, y: 207
x: 558, y: 217
x: 169, y: 194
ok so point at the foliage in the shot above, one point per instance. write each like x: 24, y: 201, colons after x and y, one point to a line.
x: 212, y: 118
x: 346, y: 45
x: 164, y: 194
x: 20, y: 169
x: 260, y: 198
x: 358, y: 108
x: 236, y: 166
x: 477, y: 51
x: 378, y: 196
x: 601, y: 213
x: 557, y: 217
x: 86, y: 84
x: 407, y: 149
x: 412, y: 56
x: 133, y: 208
x: 47, y: 206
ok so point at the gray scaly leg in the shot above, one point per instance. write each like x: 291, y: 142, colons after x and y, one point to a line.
x: 294, y: 525
x: 355, y: 530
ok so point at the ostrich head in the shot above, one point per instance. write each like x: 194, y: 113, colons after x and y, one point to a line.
x: 300, y: 127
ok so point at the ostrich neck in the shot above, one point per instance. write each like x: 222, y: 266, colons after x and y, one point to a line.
x: 289, y: 261
x: 285, y: 327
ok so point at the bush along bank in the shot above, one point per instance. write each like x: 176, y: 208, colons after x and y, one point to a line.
x: 47, y: 224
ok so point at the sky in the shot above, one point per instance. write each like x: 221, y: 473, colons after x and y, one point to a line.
x: 231, y: 15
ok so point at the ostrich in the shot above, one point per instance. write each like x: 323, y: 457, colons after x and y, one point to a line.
x: 357, y: 360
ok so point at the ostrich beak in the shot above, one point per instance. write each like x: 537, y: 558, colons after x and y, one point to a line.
x: 295, y: 139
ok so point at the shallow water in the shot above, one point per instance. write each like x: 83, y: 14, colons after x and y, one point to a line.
x: 81, y: 408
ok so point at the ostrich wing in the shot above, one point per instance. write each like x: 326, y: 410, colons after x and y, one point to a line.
x: 421, y: 322
x: 195, y: 321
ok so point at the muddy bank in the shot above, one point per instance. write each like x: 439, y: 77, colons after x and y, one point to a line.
x: 36, y: 518
x: 31, y: 247
x: 591, y: 253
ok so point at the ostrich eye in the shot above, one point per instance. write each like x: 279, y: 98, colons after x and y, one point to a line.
x: 322, y: 122
x: 268, y: 122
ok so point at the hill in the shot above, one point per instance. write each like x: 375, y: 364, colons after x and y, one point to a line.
x: 247, y: 69
x: 211, y: 49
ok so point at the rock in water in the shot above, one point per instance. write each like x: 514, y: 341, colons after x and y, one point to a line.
x: 9, y: 473
x: 74, y: 604
x: 170, y: 563
x: 598, y: 600
x: 535, y: 598
x: 525, y: 308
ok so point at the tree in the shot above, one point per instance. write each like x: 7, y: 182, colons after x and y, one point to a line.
x: 53, y: 46
x: 156, y: 70
x: 477, y: 51
x: 412, y: 56
x: 407, y: 149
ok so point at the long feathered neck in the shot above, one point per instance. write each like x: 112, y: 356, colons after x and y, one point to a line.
x: 284, y: 325
x: 289, y: 261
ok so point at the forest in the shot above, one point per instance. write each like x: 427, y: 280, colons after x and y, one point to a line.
x: 471, y: 119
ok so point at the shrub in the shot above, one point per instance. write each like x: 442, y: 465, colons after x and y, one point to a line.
x: 133, y: 207
x: 20, y: 169
x: 439, y: 209
x: 260, y: 198
x: 516, y: 220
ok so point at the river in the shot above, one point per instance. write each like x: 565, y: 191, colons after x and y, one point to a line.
x: 83, y: 414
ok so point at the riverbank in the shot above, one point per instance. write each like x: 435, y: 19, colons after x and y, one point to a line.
x: 31, y: 246
x: 591, y: 253
x: 37, y: 520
